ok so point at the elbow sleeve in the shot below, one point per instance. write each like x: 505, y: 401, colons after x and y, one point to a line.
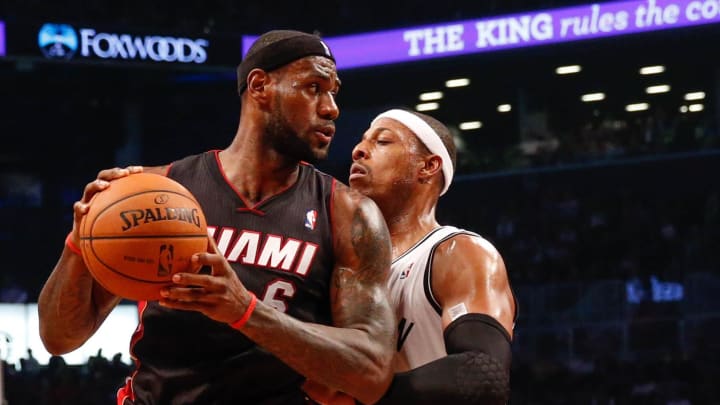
x: 476, y: 369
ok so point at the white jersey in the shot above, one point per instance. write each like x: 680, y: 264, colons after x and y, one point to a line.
x: 420, y: 331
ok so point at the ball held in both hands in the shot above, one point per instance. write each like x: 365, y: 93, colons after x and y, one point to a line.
x: 139, y: 232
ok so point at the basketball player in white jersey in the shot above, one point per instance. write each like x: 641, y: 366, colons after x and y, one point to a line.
x: 448, y: 286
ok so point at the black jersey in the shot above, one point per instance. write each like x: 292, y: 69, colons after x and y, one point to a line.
x: 281, y: 248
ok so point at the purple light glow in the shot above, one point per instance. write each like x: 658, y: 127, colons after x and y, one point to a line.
x: 590, y: 21
x: 2, y: 38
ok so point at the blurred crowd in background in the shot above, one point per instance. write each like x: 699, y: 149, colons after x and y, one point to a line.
x: 666, y: 380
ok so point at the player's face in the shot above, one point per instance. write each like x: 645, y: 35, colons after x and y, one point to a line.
x: 386, y: 161
x: 304, y: 110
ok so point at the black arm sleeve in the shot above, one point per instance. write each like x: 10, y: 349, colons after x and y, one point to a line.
x: 476, y: 369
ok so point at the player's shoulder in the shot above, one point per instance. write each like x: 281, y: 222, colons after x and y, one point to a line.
x: 353, y: 211
x: 468, y: 258
x: 161, y: 170
x: 190, y: 163
x: 350, y: 200
x: 466, y: 243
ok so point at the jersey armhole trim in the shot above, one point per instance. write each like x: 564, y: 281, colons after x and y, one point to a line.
x: 427, y: 279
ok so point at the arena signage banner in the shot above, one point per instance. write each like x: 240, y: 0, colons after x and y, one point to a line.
x: 62, y: 41
x: 76, y: 43
x: 576, y: 23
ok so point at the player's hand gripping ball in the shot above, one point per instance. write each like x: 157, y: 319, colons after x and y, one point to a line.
x: 139, y: 232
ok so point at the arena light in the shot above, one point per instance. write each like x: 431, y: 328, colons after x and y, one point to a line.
x: 696, y: 95
x: 696, y: 107
x: 590, y: 97
x: 468, y: 125
x: 569, y: 69
x: 661, y: 88
x: 503, y: 108
x: 462, y: 82
x: 652, y: 70
x: 431, y: 95
x: 637, y: 107
x: 427, y: 106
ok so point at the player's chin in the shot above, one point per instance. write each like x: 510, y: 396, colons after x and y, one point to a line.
x: 321, y: 152
x: 359, y: 184
x: 310, y: 155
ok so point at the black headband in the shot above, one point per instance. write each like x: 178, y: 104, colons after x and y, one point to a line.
x: 280, y: 53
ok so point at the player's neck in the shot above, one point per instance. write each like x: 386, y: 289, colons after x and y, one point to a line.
x: 409, y: 226
x: 256, y: 172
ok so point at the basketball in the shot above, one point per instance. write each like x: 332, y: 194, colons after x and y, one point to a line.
x: 139, y: 232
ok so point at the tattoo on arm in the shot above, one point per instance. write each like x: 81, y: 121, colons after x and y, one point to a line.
x: 344, y: 277
x: 360, y: 284
x: 370, y: 244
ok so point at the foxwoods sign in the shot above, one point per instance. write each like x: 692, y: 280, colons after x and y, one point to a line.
x: 62, y: 41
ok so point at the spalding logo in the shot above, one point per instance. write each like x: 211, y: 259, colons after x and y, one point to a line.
x: 133, y: 218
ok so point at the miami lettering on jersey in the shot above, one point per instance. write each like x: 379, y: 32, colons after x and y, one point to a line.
x: 271, y: 251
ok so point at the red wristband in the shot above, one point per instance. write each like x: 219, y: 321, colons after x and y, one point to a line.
x: 72, y: 246
x: 250, y: 308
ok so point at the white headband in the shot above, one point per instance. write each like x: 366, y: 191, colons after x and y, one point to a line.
x: 427, y: 136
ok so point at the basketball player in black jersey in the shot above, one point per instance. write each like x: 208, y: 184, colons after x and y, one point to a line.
x: 299, y: 262
x: 449, y: 286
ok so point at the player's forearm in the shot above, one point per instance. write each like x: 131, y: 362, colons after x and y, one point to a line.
x: 356, y: 361
x: 476, y: 369
x: 463, y: 378
x: 70, y: 306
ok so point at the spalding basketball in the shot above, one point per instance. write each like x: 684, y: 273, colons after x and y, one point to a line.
x: 139, y: 232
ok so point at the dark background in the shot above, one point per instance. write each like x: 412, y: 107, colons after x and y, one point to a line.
x: 587, y: 203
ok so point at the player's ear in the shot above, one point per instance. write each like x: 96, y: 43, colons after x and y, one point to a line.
x: 257, y: 85
x: 431, y: 166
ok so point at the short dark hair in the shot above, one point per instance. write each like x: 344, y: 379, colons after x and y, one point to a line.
x: 277, y: 48
x: 443, y: 132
